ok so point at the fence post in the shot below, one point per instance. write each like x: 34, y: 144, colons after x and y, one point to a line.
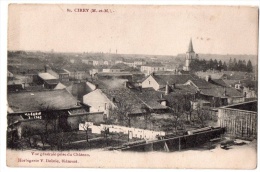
x: 179, y: 143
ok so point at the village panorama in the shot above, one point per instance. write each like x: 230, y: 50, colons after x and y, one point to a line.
x: 129, y: 102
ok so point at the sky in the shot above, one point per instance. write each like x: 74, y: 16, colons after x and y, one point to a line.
x: 160, y: 30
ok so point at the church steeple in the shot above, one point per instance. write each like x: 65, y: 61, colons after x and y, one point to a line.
x: 190, y: 55
x: 190, y: 49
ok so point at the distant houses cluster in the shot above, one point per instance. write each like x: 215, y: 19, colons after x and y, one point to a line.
x: 117, y: 87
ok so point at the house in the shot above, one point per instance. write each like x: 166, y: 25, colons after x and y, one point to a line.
x: 139, y: 63
x: 98, y: 62
x: 38, y: 109
x: 114, y: 75
x: 114, y: 68
x: 32, y: 76
x: 47, y: 80
x: 158, y: 101
x: 9, y: 75
x: 85, y: 61
x: 226, y: 75
x: 211, y: 74
x: 129, y: 63
x: 77, y: 73
x: 248, y: 87
x: 219, y: 82
x: 150, y: 68
x: 94, y: 71
x: 158, y: 81
x: 107, y: 99
x: 118, y: 61
x: 32, y: 104
x: 135, y: 100
x: 61, y: 74
x: 14, y: 87
x: 107, y: 63
x: 240, y: 120
x: 217, y: 95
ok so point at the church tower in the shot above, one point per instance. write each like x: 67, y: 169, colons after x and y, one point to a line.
x: 190, y: 54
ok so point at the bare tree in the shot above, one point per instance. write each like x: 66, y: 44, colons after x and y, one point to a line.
x: 146, y: 113
x: 178, y: 108
x: 201, y: 115
x: 85, y: 127
x: 122, y: 113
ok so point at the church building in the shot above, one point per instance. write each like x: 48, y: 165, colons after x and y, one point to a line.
x: 190, y: 55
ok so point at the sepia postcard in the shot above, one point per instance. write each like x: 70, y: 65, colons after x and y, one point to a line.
x: 132, y: 86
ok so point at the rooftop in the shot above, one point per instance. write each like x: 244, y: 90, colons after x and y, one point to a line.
x: 41, y: 100
x: 46, y: 76
x: 52, y: 81
x: 124, y: 97
x: 219, y: 82
x: 172, y: 79
x: 154, y: 65
x: 220, y: 92
x: 60, y: 71
x: 246, y: 106
x: 119, y: 66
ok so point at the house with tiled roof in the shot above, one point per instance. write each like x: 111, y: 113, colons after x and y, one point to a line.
x: 216, y: 94
x: 219, y: 82
x: 47, y: 80
x: 158, y: 81
x: 115, y: 68
x: 36, y: 104
x: 37, y: 110
x: 106, y: 99
x: 134, y: 99
x: 150, y: 68
x: 61, y: 74
x: 77, y: 73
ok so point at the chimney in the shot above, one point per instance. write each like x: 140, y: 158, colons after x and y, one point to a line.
x: 140, y: 88
x: 167, y: 89
x: 113, y: 99
x: 23, y: 85
x: 208, y: 78
x: 225, y: 91
x: 126, y: 84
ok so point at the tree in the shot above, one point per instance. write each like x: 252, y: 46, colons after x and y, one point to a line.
x: 121, y: 113
x: 146, y: 113
x: 240, y: 65
x: 230, y: 64
x: 249, y: 66
x: 215, y: 64
x: 204, y: 66
x: 220, y: 65
x: 211, y: 64
x: 85, y: 127
x: 225, y: 66
x: 235, y: 65
x: 178, y: 107
x: 201, y: 115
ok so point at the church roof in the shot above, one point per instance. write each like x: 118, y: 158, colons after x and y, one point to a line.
x: 190, y: 49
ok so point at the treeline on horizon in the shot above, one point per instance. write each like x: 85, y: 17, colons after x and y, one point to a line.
x: 233, y: 65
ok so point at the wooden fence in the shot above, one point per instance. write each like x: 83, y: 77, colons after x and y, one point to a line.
x: 238, y: 123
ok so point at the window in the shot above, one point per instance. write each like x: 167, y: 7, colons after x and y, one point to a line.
x: 149, y: 82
